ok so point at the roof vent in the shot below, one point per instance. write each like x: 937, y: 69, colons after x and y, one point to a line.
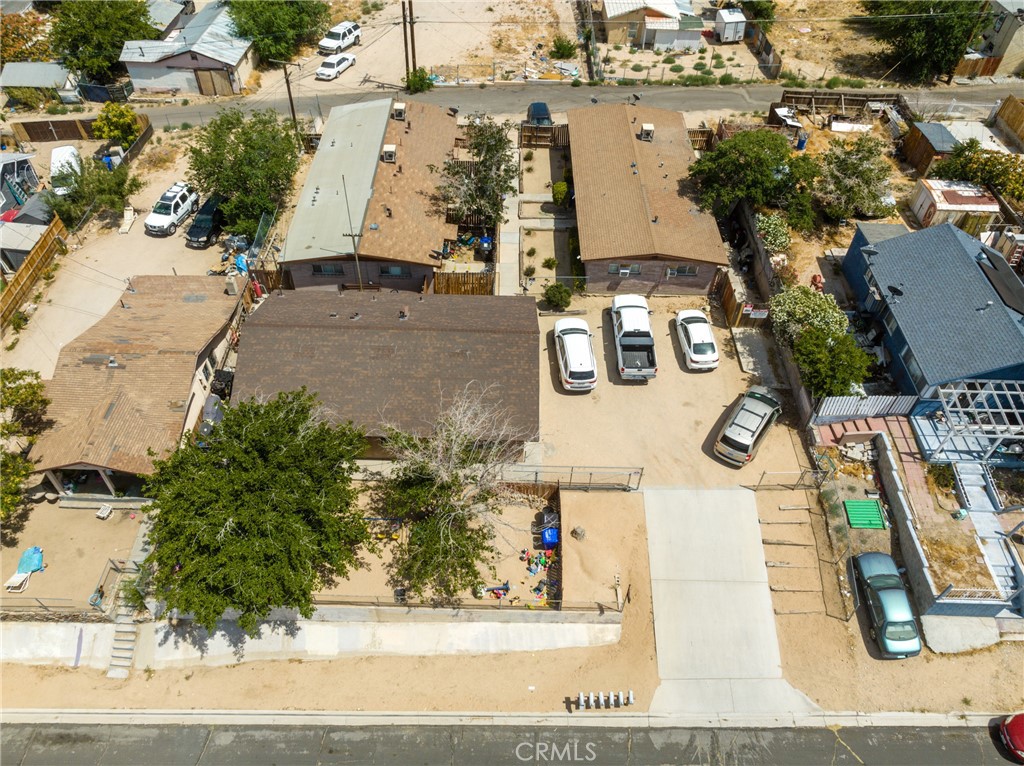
x: 398, y: 111
x: 403, y: 313
x: 111, y: 362
x: 647, y: 131
x: 389, y: 153
x: 354, y: 316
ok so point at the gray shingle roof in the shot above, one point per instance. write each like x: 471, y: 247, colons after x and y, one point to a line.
x: 379, y: 367
x: 879, y: 232
x: 942, y: 310
x: 33, y: 74
x: 938, y: 136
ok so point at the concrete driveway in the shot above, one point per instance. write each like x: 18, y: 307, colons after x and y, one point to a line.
x: 713, y: 618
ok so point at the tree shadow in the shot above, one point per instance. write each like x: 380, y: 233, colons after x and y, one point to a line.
x: 18, y: 516
x: 181, y: 632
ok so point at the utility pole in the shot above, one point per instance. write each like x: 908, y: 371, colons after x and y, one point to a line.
x: 291, y: 101
x: 405, y: 42
x: 353, y: 235
x: 412, y: 34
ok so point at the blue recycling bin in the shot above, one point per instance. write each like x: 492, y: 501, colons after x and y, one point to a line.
x: 549, y: 537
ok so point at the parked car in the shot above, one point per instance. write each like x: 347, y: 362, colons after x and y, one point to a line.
x: 334, y: 65
x: 207, y: 225
x: 1011, y: 732
x: 634, y: 341
x: 745, y: 427
x: 173, y: 207
x: 64, y: 160
x: 538, y: 113
x: 340, y: 37
x: 697, y: 340
x: 576, y: 365
x: 892, y: 620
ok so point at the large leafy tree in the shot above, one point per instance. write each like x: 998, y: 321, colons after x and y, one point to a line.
x: 24, y: 38
x: 478, y: 188
x: 90, y: 190
x: 249, y: 160
x: 278, y: 27
x: 969, y: 162
x: 829, y: 364
x: 446, y: 489
x: 90, y: 34
x: 927, y: 38
x: 795, y: 310
x: 260, y: 516
x: 117, y: 122
x: 23, y: 404
x: 761, y: 11
x: 755, y: 165
x: 854, y: 178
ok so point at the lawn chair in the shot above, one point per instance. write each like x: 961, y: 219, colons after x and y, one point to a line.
x: 18, y: 582
x: 104, y: 512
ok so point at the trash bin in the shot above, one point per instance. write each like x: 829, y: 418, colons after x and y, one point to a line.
x: 801, y: 141
x: 549, y: 537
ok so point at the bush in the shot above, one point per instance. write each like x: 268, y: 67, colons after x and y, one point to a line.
x: 774, y: 232
x: 550, y: 263
x: 577, y: 83
x: 676, y: 68
x: 528, y: 155
x: 56, y: 108
x: 700, y: 66
x: 637, y: 67
x: 558, y: 296
x: 559, y: 192
x: 117, y: 122
x: 800, y: 212
x: 728, y: 79
x: 529, y: 271
x: 795, y: 310
x: 531, y: 252
x: 562, y: 48
x: 668, y: 60
x: 830, y: 365
x: 941, y: 475
x: 718, y: 65
x: 418, y: 81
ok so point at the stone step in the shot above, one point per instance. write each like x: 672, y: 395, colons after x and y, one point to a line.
x: 125, y: 627
x: 117, y: 672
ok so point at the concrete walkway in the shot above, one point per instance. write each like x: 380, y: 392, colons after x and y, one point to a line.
x: 718, y: 652
x: 754, y: 350
x: 507, y: 263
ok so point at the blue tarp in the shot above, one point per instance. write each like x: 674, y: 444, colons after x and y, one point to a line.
x: 241, y: 265
x: 31, y: 560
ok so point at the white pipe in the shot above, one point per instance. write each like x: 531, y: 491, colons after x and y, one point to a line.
x: 591, y: 705
x: 622, y: 699
x: 581, y: 703
x: 600, y: 699
x: 631, y: 700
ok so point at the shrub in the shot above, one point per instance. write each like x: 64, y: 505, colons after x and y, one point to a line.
x: 558, y: 296
x: 718, y: 65
x: 676, y: 68
x: 637, y: 67
x: 528, y: 155
x: 830, y: 365
x: 559, y: 192
x: 531, y: 252
x: 529, y: 271
x: 941, y: 475
x: 56, y: 108
x: 716, y: 56
x: 700, y: 66
x: 728, y: 79
x: 550, y: 263
x: 185, y: 102
x: 117, y: 122
x: 186, y: 126
x: 668, y: 60
x: 774, y: 232
x: 18, y: 321
x: 576, y: 83
x: 616, y: 47
x: 562, y: 47
x: 796, y: 309
x: 418, y: 81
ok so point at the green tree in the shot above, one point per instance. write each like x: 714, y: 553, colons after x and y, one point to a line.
x: 249, y: 160
x: 445, y: 487
x: 418, y: 81
x: 761, y: 11
x: 854, y: 178
x: 478, y: 188
x: 558, y: 296
x: 118, y: 123
x: 23, y: 404
x: 562, y: 48
x: 794, y: 310
x: 89, y: 34
x: 278, y: 28
x: 927, y: 39
x: 969, y: 162
x: 91, y: 190
x: 24, y: 38
x: 559, y: 192
x: 755, y: 165
x: 259, y: 517
x: 829, y: 364
x: 15, y: 469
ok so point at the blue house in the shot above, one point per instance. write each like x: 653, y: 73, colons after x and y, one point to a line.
x: 951, y: 307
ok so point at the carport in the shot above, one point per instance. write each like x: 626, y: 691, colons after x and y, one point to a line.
x: 714, y: 624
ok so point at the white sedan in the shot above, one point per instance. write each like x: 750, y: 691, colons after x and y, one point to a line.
x: 576, y: 365
x: 334, y: 65
x: 697, y: 340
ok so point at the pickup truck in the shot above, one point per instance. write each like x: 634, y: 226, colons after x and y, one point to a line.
x: 634, y: 341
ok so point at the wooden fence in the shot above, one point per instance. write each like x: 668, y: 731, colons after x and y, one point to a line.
x: 464, y: 283
x: 18, y: 290
x: 76, y: 130
x: 541, y: 136
x: 979, y: 66
x: 768, y: 59
x: 845, y: 102
x: 740, y: 313
x: 701, y: 139
x: 1010, y: 119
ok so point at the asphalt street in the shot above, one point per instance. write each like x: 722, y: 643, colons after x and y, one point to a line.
x: 509, y: 98
x: 110, y: 745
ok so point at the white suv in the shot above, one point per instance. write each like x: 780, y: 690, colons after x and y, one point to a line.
x: 174, y: 207
x: 340, y: 37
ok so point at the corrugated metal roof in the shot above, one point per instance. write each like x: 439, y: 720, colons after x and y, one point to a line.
x: 957, y: 195
x: 210, y: 33
x: 938, y: 136
x: 33, y: 74
x: 942, y: 309
x: 20, y: 236
x: 8, y: 157
x: 163, y: 12
x: 628, y: 198
x: 613, y: 8
x: 349, y: 149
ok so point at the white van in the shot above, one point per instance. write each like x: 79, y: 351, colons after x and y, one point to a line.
x: 63, y: 159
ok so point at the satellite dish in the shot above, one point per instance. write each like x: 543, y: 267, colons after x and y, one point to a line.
x: 895, y: 292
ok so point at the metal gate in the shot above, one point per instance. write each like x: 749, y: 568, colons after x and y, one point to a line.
x: 214, y: 82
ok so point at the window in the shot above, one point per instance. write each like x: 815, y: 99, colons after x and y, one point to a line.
x: 207, y: 370
x: 395, y: 271
x: 328, y: 270
x: 613, y: 268
x: 889, y: 321
x: 681, y: 271
x: 631, y: 30
x: 634, y: 268
x: 913, y: 368
x: 618, y: 268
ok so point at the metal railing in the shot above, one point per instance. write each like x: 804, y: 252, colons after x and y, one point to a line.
x: 575, y: 477
x: 513, y: 603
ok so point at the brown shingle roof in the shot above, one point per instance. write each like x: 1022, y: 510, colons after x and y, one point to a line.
x: 414, y: 229
x: 623, y: 184
x: 111, y: 416
x: 379, y: 367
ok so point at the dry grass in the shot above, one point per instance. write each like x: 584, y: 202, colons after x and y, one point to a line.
x: 158, y: 158
x: 954, y: 560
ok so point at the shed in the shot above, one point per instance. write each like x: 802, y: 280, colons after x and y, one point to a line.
x: 966, y: 206
x: 16, y: 242
x: 730, y: 25
x: 927, y: 142
x: 38, y: 75
x: 18, y: 179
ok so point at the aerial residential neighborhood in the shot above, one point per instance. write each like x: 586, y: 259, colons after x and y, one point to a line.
x: 602, y: 381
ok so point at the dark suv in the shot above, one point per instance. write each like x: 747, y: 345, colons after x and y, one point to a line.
x: 206, y: 226
x: 538, y: 114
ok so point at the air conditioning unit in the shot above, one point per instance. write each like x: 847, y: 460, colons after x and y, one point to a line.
x: 398, y: 111
x: 623, y: 273
x: 389, y: 153
x: 647, y: 131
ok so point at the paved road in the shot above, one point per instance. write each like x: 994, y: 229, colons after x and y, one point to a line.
x: 510, y: 98
x: 50, y: 744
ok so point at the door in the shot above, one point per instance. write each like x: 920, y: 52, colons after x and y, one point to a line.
x: 221, y: 83
x: 204, y: 78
